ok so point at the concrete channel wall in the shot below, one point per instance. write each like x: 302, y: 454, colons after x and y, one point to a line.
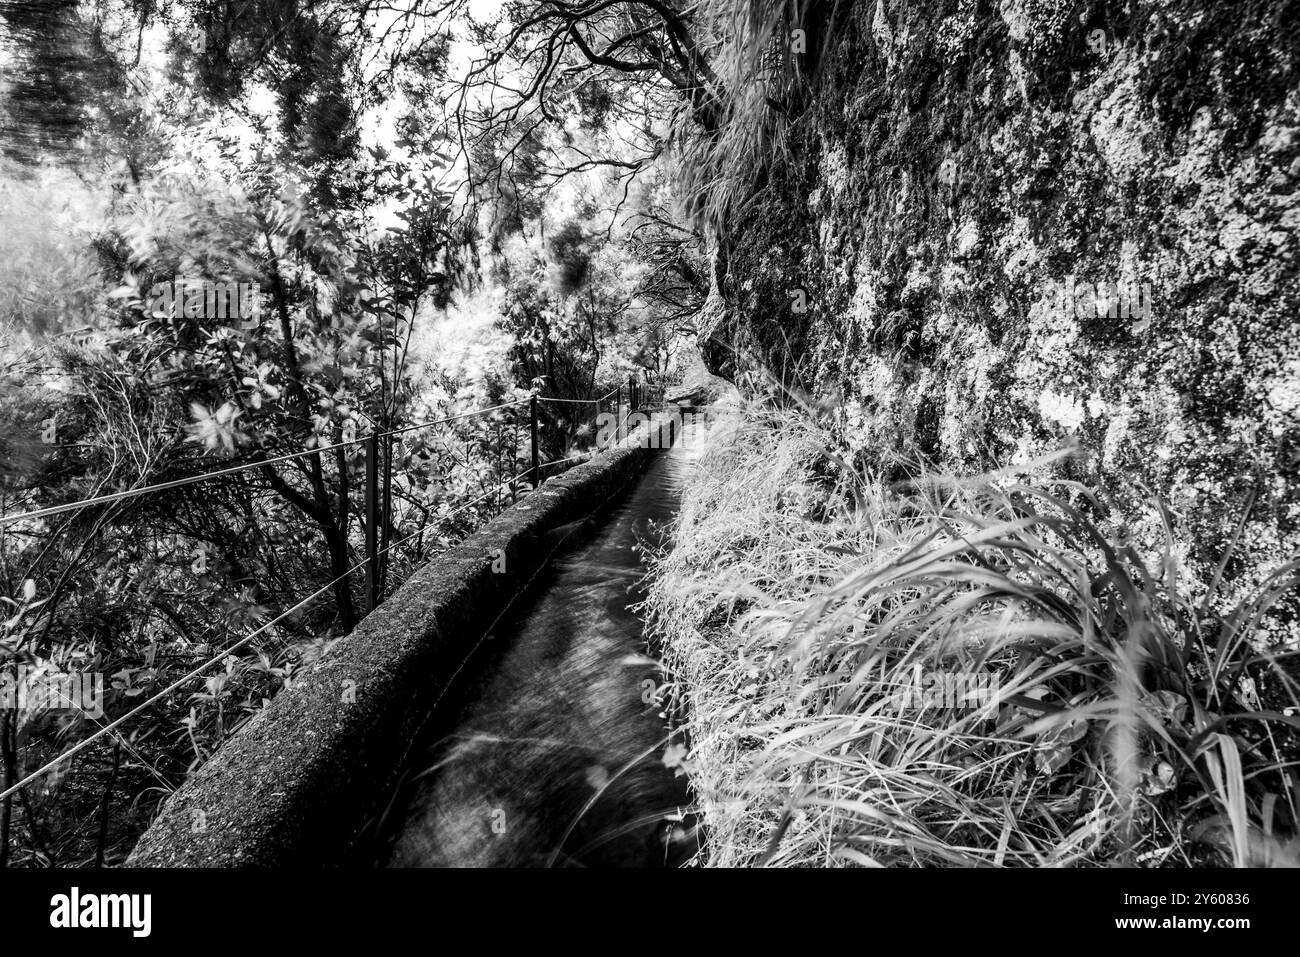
x: 296, y: 784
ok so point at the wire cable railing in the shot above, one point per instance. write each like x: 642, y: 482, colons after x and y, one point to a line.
x: 112, y: 726
x: 376, y: 498
x: 166, y: 486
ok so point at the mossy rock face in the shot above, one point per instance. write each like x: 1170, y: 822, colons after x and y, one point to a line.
x: 954, y: 169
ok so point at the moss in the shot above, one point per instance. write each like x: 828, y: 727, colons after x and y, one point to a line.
x: 958, y: 159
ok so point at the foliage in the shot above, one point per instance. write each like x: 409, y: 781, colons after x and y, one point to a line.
x: 804, y: 597
x: 203, y: 179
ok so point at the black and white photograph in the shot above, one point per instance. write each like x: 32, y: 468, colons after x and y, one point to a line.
x: 650, y: 435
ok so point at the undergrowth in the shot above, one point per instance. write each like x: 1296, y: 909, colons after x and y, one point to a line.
x: 813, y: 615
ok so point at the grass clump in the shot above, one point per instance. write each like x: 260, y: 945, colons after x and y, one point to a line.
x: 960, y: 672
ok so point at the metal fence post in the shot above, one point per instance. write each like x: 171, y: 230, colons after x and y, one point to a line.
x: 385, y: 526
x: 532, y: 414
x: 372, y: 521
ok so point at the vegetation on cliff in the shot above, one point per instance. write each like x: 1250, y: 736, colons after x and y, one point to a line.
x: 1011, y: 284
x: 963, y: 671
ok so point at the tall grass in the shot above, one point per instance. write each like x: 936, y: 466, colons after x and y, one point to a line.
x: 803, y: 598
x: 761, y: 57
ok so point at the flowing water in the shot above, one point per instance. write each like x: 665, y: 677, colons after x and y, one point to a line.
x: 559, y: 758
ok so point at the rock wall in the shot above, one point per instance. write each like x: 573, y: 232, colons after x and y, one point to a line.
x: 971, y: 177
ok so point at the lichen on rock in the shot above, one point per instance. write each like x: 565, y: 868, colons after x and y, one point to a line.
x: 954, y: 169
